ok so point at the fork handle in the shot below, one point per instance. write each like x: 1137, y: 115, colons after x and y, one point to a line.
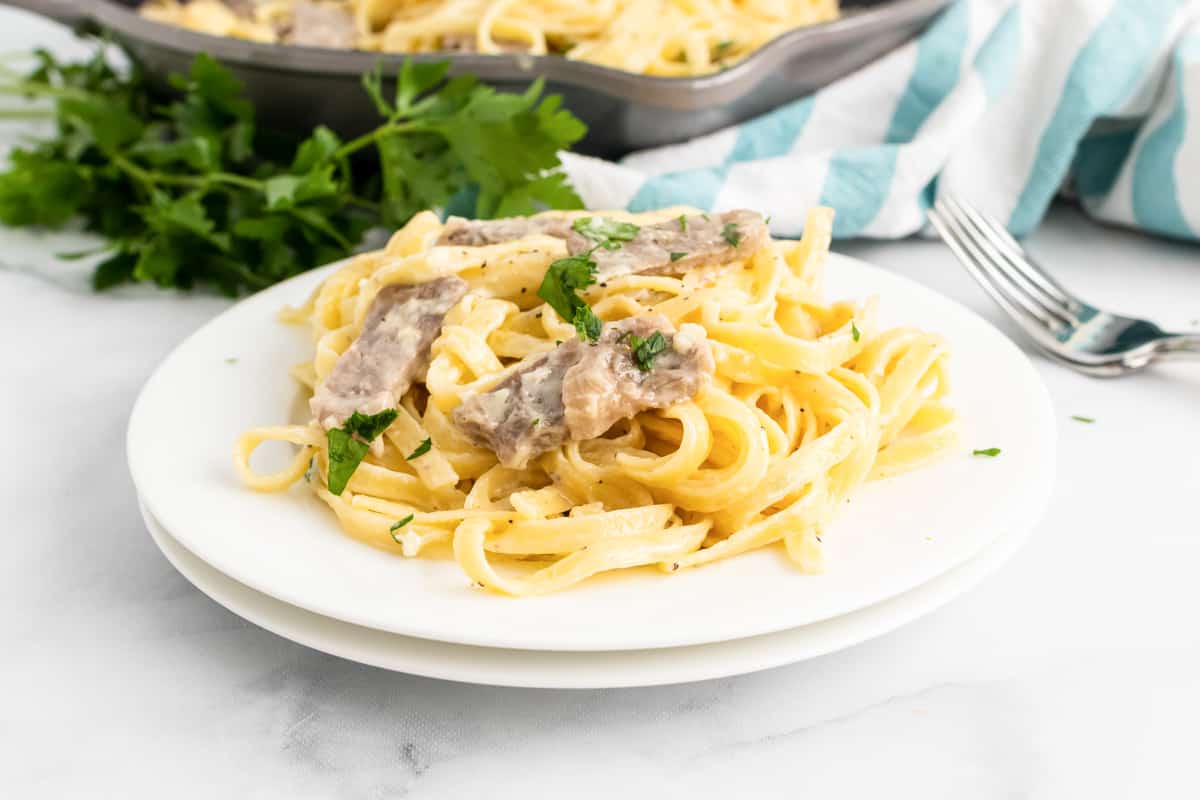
x: 1181, y: 344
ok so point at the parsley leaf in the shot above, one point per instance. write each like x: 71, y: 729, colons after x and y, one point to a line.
x: 646, y: 350
x: 348, y: 445
x: 677, y: 256
x: 586, y: 323
x: 188, y: 190
x: 369, y: 427
x: 558, y: 289
x: 683, y: 222
x: 990, y: 452
x: 606, y: 233
x: 854, y: 332
x: 566, y: 275
x: 730, y: 234
x: 1088, y: 420
x: 423, y: 448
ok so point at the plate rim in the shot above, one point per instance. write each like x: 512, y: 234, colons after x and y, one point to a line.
x: 611, y: 669
x: 1038, y: 498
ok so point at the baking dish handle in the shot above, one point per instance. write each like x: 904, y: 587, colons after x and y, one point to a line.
x: 68, y: 12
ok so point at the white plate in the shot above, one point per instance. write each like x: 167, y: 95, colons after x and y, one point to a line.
x: 896, y: 535
x: 580, y: 670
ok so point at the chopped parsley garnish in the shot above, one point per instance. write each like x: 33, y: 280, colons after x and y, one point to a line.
x: 730, y: 234
x: 348, y: 445
x: 397, y: 526
x: 683, y: 222
x: 723, y: 46
x: 587, y: 324
x: 1088, y: 420
x: 421, y: 450
x: 706, y: 217
x: 231, y: 360
x: 567, y: 275
x: 677, y: 256
x: 854, y: 331
x: 646, y: 350
x: 990, y: 452
x: 535, y: 422
x: 558, y: 289
x: 605, y: 232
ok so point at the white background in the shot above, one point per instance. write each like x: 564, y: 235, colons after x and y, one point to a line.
x: 1073, y: 672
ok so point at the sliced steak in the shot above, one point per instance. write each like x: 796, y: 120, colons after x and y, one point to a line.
x: 607, y: 385
x: 577, y: 391
x: 680, y: 245
x: 316, y: 24
x: 480, y: 232
x: 522, y: 416
x: 243, y: 8
x: 673, y: 247
x: 393, y: 348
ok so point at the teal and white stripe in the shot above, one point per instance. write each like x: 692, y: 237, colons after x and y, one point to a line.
x: 1003, y: 102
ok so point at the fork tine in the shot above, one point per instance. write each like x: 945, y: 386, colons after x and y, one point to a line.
x: 968, y: 255
x: 1015, y: 254
x: 977, y: 226
x: 985, y: 260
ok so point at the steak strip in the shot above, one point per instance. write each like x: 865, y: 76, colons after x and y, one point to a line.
x: 393, y: 348
x: 577, y: 391
x: 316, y: 24
x: 673, y: 247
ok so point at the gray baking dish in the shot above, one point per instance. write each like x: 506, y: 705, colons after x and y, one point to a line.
x: 299, y: 87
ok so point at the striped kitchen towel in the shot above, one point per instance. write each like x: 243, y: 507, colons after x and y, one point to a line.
x: 1005, y: 103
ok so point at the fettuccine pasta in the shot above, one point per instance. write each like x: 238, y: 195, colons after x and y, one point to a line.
x: 653, y: 37
x: 807, y: 401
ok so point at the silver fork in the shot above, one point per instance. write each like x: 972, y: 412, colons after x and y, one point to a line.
x: 1088, y: 339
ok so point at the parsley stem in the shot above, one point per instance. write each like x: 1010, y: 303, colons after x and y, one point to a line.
x: 143, y: 177
x: 33, y: 88
x: 197, y: 181
x: 369, y: 138
x: 230, y: 178
x: 26, y: 113
x: 153, y: 178
x: 363, y: 202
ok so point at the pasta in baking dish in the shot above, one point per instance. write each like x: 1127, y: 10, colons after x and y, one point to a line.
x: 654, y: 37
x: 552, y: 397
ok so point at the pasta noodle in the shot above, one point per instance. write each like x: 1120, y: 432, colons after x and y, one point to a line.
x: 809, y: 400
x: 653, y: 37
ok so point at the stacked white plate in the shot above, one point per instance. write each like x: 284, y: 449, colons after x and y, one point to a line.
x: 902, y: 548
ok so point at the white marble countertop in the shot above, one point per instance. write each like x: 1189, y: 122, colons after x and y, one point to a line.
x: 1073, y: 672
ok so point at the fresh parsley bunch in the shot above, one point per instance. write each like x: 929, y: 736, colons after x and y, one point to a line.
x: 191, y: 191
